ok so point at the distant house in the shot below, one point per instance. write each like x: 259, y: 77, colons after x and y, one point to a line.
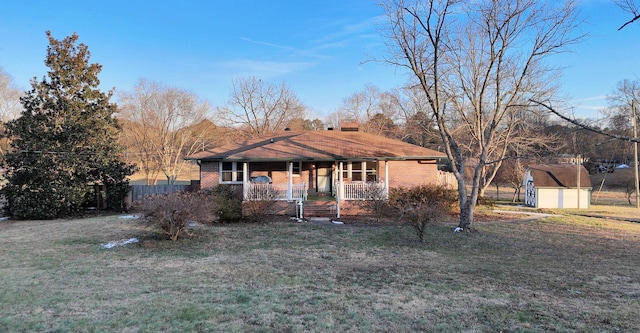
x: 293, y: 167
x: 557, y: 186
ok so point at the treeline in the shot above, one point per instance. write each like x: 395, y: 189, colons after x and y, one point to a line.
x: 160, y: 125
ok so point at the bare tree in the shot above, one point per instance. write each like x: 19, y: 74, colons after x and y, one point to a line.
x: 300, y: 124
x: 621, y: 100
x: 511, y: 174
x: 260, y: 108
x: 375, y: 111
x: 10, y: 106
x: 162, y: 125
x: 631, y: 7
x: 361, y: 105
x: 417, y: 125
x: 478, y: 63
x: 313, y: 125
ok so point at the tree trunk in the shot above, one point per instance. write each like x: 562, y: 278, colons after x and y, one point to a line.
x: 468, y: 202
x: 466, y: 214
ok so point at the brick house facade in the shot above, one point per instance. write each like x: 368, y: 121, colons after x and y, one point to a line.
x: 294, y: 166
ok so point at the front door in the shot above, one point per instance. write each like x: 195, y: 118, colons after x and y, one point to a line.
x: 323, y: 177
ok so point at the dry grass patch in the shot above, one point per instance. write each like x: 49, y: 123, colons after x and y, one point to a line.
x: 566, y: 274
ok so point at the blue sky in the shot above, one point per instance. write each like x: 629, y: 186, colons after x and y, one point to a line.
x: 320, y: 48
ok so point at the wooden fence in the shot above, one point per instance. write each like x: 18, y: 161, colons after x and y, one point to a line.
x: 140, y: 191
x: 447, y: 179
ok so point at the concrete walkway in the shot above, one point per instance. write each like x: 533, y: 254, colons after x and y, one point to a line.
x: 326, y: 221
x: 524, y: 213
x: 600, y: 216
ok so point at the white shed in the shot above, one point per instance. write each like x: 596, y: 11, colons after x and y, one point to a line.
x: 557, y: 186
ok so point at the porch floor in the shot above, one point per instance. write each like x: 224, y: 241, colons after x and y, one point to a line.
x: 320, y: 196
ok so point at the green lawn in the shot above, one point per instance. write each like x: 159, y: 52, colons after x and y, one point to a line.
x: 561, y: 274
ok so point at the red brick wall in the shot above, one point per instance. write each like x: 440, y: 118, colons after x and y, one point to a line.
x: 401, y: 173
x: 410, y: 173
x: 354, y: 208
x: 209, y: 174
x: 278, y: 171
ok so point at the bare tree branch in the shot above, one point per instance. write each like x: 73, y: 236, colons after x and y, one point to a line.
x: 585, y: 126
x: 631, y: 7
x: 260, y: 108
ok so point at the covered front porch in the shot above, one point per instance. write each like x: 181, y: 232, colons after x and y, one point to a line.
x: 296, y: 180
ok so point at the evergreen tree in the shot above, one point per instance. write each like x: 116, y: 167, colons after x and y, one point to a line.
x: 65, y: 140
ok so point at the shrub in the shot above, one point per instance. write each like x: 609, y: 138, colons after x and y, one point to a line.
x: 377, y: 202
x: 227, y: 202
x: 173, y: 212
x: 262, y: 200
x: 422, y: 205
x: 23, y: 203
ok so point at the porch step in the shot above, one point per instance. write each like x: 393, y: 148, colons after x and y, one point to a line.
x: 320, y: 208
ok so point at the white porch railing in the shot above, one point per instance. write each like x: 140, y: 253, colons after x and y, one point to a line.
x: 362, y: 190
x: 259, y: 191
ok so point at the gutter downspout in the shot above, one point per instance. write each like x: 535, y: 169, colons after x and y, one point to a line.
x: 386, y: 179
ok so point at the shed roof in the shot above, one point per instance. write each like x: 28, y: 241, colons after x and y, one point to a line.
x: 318, y: 146
x: 559, y: 175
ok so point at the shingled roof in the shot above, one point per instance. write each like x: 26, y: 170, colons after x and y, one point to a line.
x: 318, y: 146
x: 560, y: 175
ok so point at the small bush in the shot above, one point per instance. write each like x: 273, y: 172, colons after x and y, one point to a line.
x: 227, y: 202
x: 377, y: 202
x: 173, y: 212
x: 262, y: 201
x: 422, y: 205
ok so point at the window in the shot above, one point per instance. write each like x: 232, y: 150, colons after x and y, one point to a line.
x: 371, y: 171
x: 297, y: 168
x: 361, y: 171
x: 356, y: 171
x: 231, y: 172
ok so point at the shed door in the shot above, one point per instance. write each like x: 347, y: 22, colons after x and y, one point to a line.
x: 530, y: 194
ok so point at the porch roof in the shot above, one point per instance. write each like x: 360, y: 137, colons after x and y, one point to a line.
x: 318, y: 146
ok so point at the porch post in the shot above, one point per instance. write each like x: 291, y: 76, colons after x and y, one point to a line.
x: 340, y: 189
x: 290, y: 182
x: 386, y: 178
x: 245, y: 180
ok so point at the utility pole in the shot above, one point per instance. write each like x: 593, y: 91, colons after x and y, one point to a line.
x: 578, y: 165
x: 635, y: 151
